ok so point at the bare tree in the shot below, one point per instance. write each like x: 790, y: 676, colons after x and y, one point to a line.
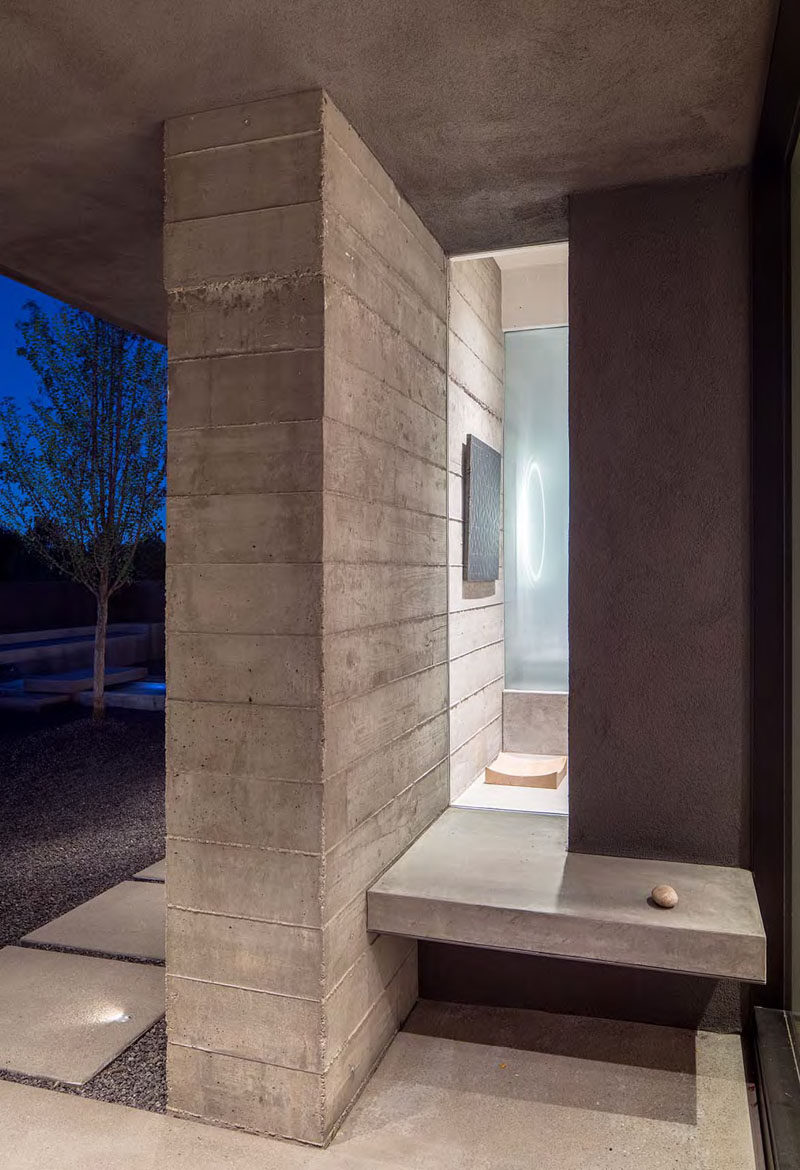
x: 82, y: 474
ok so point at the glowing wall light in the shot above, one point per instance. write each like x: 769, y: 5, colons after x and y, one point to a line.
x: 532, y: 523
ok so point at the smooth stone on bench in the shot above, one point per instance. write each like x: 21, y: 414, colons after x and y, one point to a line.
x: 665, y: 897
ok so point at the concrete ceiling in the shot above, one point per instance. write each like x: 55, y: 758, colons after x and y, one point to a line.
x: 487, y: 113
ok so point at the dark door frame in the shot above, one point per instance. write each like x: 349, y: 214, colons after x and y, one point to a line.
x: 771, y: 617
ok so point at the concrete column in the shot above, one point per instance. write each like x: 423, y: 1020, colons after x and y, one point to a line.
x: 475, y: 398
x: 307, y: 602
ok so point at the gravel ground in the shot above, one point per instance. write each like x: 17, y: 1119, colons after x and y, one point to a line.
x: 81, y: 809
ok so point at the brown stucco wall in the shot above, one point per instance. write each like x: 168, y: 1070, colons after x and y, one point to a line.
x: 504, y: 979
x: 659, y: 529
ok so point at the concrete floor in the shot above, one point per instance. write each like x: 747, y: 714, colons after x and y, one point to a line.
x: 460, y: 1087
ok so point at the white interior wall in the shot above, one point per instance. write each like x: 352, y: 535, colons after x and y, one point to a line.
x: 534, y: 286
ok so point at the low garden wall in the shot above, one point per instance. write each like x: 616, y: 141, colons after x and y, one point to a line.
x: 43, y: 605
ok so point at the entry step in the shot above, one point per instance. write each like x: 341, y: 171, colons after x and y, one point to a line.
x: 14, y: 697
x: 505, y: 880
x: 148, y: 694
x: 71, y: 682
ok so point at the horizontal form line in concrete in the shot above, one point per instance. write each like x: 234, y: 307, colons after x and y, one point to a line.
x: 316, y: 491
x: 284, y: 113
x: 180, y: 361
x: 244, y: 917
x: 355, y: 695
x: 390, y: 385
x: 474, y: 650
x: 245, y: 845
x: 388, y: 743
x: 437, y: 258
x: 333, y: 213
x: 386, y: 804
x: 269, y: 1062
x: 474, y: 397
x: 356, y: 563
x: 250, y: 703
x: 173, y: 772
x: 384, y: 378
x: 339, y: 633
x: 241, y: 212
x: 254, y: 990
x: 322, y: 416
x: 299, y: 927
x: 239, y: 145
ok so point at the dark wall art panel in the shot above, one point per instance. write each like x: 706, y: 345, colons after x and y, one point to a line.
x: 482, y: 511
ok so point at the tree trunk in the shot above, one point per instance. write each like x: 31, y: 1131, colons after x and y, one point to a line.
x: 99, y: 704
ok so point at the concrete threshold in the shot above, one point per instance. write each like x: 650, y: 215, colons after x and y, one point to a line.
x: 506, y: 880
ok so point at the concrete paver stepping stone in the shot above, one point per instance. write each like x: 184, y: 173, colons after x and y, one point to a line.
x: 128, y: 919
x: 67, y: 1016
x: 157, y: 872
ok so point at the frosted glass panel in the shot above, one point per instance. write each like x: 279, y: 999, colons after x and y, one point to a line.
x: 536, y: 508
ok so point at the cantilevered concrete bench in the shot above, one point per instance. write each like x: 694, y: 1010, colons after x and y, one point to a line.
x: 505, y: 880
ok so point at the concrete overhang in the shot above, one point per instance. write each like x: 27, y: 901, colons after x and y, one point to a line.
x: 487, y: 115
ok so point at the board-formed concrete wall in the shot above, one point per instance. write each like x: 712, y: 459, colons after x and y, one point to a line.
x: 307, y: 605
x: 384, y: 615
x: 475, y: 395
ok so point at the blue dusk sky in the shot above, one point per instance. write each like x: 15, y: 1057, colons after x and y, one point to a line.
x: 17, y: 379
x: 16, y: 376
